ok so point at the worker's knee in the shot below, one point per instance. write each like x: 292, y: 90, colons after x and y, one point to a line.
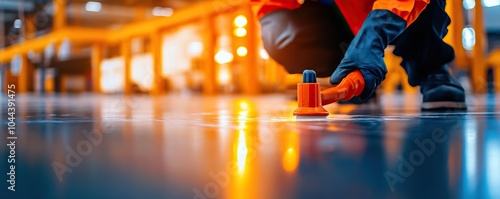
x: 310, y: 37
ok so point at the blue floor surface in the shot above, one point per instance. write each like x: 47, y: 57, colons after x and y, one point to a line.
x: 235, y: 147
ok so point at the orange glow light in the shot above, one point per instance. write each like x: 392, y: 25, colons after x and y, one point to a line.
x: 243, y: 105
x: 240, y: 32
x: 241, y: 152
x: 224, y: 76
x: 263, y: 54
x: 195, y: 49
x: 240, y: 21
x: 290, y: 160
x: 112, y: 75
x: 242, y: 51
x: 223, y: 57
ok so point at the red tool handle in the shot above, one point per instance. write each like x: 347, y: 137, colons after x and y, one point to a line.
x: 350, y: 86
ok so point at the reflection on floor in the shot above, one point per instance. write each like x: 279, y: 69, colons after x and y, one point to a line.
x: 91, y: 146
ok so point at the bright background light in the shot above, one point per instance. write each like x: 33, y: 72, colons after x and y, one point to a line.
x: 163, y: 12
x: 242, y: 51
x: 491, y: 3
x: 263, y: 54
x: 195, y: 49
x: 240, y: 32
x: 469, y: 4
x: 223, y: 57
x: 18, y: 23
x: 112, y: 75
x: 468, y: 38
x: 240, y: 21
x: 142, y: 70
x: 92, y: 6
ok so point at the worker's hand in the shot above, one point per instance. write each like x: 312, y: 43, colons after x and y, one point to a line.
x: 344, y: 77
x: 350, y: 86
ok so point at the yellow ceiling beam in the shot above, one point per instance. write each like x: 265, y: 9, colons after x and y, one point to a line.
x: 74, y: 34
x: 191, y: 13
x: 144, y: 28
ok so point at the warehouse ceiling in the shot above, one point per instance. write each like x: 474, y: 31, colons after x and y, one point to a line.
x: 118, y: 12
x: 114, y: 13
x: 93, y: 13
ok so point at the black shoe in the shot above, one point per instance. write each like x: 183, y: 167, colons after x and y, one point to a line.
x: 441, y: 91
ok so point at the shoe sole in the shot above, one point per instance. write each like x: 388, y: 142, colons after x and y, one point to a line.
x: 444, y: 105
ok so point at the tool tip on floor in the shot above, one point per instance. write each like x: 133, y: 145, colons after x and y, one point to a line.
x: 309, y: 96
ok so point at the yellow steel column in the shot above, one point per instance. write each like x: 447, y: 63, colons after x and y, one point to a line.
x: 76, y: 48
x: 250, y: 77
x: 454, y: 37
x: 25, y: 78
x: 393, y: 76
x: 496, y: 77
x: 156, y: 53
x: 494, y: 61
x: 30, y: 27
x: 96, y: 59
x: 26, y: 73
x: 281, y: 75
x: 127, y: 56
x: 59, y: 14
x: 209, y: 72
x: 478, y: 71
x: 10, y: 79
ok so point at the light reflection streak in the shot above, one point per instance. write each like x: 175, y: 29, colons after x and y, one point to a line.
x: 241, y: 152
x: 470, y: 147
x: 241, y: 145
x: 492, y: 164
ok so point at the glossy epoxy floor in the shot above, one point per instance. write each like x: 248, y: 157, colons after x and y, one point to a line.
x: 182, y: 146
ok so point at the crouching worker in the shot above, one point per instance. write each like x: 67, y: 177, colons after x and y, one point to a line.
x: 338, y: 37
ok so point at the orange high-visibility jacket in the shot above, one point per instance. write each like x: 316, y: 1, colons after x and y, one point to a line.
x: 354, y: 11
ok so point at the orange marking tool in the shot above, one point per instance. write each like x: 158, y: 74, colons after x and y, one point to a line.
x: 311, y: 99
